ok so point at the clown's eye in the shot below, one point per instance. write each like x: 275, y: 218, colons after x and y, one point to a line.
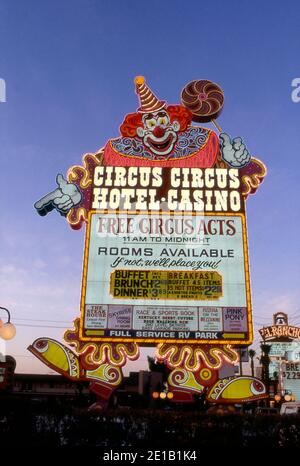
x: 163, y: 120
x: 150, y: 123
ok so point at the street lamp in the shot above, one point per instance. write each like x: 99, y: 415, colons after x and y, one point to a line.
x: 7, y: 330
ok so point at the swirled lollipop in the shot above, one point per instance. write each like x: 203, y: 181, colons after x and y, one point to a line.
x: 204, y: 99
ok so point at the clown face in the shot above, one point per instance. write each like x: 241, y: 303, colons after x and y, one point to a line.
x: 158, y: 133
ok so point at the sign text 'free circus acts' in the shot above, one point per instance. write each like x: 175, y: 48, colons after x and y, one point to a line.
x: 166, y: 254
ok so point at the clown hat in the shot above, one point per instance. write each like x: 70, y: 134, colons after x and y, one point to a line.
x: 148, y: 101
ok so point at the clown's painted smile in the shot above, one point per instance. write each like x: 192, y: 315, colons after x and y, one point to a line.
x: 159, y: 134
x: 162, y: 145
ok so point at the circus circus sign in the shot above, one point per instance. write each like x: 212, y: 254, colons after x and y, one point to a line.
x: 166, y: 254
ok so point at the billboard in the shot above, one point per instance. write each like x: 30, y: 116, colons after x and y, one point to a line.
x: 286, y: 350
x: 291, y: 378
x: 291, y: 371
x: 285, y: 366
x: 186, y: 281
x: 166, y: 254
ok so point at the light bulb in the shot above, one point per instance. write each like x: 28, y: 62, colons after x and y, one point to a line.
x: 7, y: 331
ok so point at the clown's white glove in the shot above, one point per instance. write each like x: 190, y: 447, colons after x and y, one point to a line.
x: 63, y: 198
x: 234, y: 152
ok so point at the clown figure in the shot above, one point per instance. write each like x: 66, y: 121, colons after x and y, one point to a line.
x: 157, y: 134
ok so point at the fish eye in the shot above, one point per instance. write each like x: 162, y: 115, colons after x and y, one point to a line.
x: 41, y: 346
x: 257, y: 387
x: 150, y: 123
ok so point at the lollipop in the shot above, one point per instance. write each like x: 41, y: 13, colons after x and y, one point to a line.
x: 204, y: 99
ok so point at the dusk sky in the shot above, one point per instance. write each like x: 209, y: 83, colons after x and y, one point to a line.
x: 69, y: 68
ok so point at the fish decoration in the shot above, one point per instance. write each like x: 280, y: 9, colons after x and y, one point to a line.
x: 237, y: 390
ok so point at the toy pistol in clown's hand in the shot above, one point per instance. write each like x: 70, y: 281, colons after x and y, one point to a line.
x: 63, y: 198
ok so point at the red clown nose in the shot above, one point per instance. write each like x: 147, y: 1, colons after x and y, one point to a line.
x: 158, y: 132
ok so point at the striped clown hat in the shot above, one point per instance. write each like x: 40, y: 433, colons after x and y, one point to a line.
x: 148, y: 101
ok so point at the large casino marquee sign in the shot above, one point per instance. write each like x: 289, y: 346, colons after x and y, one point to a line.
x: 166, y: 254
x: 179, y: 273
